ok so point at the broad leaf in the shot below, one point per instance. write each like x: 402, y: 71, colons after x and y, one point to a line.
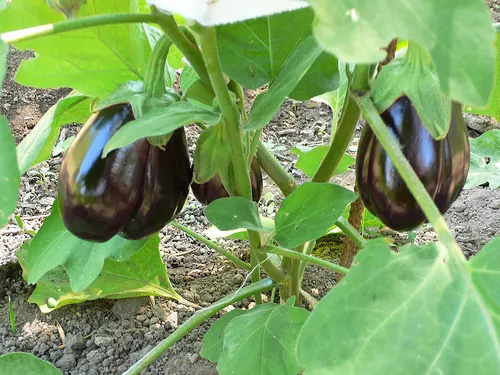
x: 10, y: 178
x: 263, y: 341
x: 92, y: 60
x: 213, y: 339
x: 295, y: 68
x: 54, y: 245
x: 37, y: 146
x: 416, y: 306
x: 485, y: 160
x: 144, y: 274
x: 309, y: 212
x: 458, y: 35
x: 234, y: 213
x: 4, y: 49
x: 17, y: 363
x: 310, y: 159
x: 211, y: 13
x: 241, y: 233
x: 493, y: 107
x: 161, y: 121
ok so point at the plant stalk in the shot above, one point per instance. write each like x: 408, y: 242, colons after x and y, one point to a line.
x: 275, y: 170
x: 76, y: 24
x: 211, y: 245
x: 287, y: 253
x: 198, y: 318
x: 351, y: 232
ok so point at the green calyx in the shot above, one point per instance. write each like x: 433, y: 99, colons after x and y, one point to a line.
x: 414, y: 76
x: 154, y: 81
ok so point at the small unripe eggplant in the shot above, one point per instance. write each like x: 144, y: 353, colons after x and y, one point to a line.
x: 213, y: 189
x: 441, y: 165
x: 96, y: 195
x: 134, y: 191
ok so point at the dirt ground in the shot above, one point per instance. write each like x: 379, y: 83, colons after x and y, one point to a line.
x: 106, y: 337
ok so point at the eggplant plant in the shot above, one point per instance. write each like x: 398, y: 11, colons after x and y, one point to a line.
x: 143, y: 70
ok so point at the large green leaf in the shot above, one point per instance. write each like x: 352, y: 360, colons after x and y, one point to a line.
x: 10, y: 179
x: 144, y: 274
x: 267, y: 103
x: 4, y: 49
x: 54, y: 245
x: 254, y: 51
x: 263, y: 341
x: 161, y: 121
x: 458, y: 35
x: 493, y: 107
x: 310, y: 159
x: 485, y: 160
x: 93, y: 60
x: 309, y: 212
x: 38, y: 145
x: 410, y: 311
x: 234, y: 213
x: 18, y: 363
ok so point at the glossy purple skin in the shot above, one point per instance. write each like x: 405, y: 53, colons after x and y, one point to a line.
x: 165, y: 188
x: 211, y: 190
x: 442, y: 166
x: 96, y: 195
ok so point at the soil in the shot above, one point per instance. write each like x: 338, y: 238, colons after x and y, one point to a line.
x: 106, y: 337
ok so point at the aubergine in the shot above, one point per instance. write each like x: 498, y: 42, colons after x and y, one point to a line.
x: 213, y: 189
x: 441, y: 165
x: 166, y: 187
x: 123, y: 193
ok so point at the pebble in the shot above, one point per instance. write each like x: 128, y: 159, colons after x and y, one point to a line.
x: 495, y: 205
x: 192, y: 358
x: 103, y: 341
x: 95, y: 356
x: 66, y: 362
x: 141, y: 318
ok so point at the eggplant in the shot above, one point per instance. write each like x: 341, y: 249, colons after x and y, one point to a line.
x: 441, y: 165
x: 213, y: 189
x: 134, y: 191
x: 166, y: 187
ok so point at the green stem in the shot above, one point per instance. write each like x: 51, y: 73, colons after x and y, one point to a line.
x: 254, y: 262
x: 188, y: 49
x: 238, y: 91
x: 275, y: 170
x: 154, y: 79
x: 75, y: 24
x: 198, y: 318
x: 301, y: 256
x: 362, y: 77
x: 408, y: 175
x: 253, y: 146
x: 351, y: 232
x: 211, y: 245
x: 343, y: 135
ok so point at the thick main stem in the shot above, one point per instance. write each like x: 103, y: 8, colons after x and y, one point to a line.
x: 75, y: 24
x: 392, y: 148
x: 198, y: 318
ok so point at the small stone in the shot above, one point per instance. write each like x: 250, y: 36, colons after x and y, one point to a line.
x: 156, y: 327
x: 66, y: 362
x: 141, y: 318
x: 153, y: 320
x: 75, y: 342
x: 103, y: 341
x: 192, y: 358
x: 95, y: 356
x: 495, y: 205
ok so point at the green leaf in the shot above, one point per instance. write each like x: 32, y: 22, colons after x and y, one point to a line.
x: 161, y: 121
x: 24, y: 363
x: 295, y: 68
x: 10, y: 179
x: 458, y: 35
x: 493, y: 107
x: 213, y: 340
x: 311, y: 158
x: 254, y: 51
x: 4, y: 49
x: 263, y: 341
x: 415, y: 305
x: 54, y: 245
x: 144, y: 274
x: 38, y: 145
x: 483, y: 148
x: 234, y: 213
x: 192, y: 88
x: 309, y: 212
x: 92, y: 60
x: 241, y: 233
